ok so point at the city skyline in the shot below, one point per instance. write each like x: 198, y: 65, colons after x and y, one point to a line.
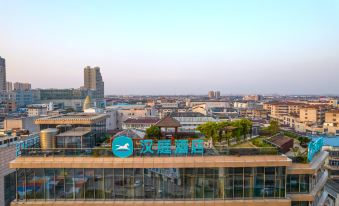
x: 173, y: 47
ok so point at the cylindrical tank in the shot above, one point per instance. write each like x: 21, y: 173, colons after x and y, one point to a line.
x: 47, y: 138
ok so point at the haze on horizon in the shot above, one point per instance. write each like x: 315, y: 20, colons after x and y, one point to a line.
x: 175, y: 47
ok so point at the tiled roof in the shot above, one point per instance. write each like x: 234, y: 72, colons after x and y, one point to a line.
x: 168, y: 122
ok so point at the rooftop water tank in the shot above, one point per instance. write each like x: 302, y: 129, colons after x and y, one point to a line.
x: 47, y: 138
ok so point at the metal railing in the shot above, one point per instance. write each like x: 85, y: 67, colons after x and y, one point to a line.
x: 107, y: 152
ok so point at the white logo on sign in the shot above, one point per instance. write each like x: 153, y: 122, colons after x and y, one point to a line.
x: 122, y: 148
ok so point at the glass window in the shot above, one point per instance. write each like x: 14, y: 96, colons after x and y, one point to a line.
x: 21, y: 188
x: 39, y: 183
x: 129, y: 183
x: 139, y: 184
x: 69, y: 184
x: 199, y: 184
x: 248, y: 182
x: 259, y: 182
x: 269, y: 181
x: 179, y: 184
x: 209, y: 183
x: 9, y: 184
x: 189, y: 183
x: 30, y: 186
x: 294, y: 183
x: 157, y: 184
x: 79, y: 184
x: 229, y: 182
x: 304, y: 183
x: 49, y: 184
x: 109, y: 183
x: 59, y: 184
x: 89, y: 184
x: 99, y: 183
x: 119, y: 184
x: 238, y: 182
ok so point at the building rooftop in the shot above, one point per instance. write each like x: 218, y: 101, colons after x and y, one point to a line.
x: 279, y: 140
x: 168, y: 122
x: 76, y: 132
x: 186, y: 114
x: 143, y: 120
x: 79, y: 118
x: 335, y: 111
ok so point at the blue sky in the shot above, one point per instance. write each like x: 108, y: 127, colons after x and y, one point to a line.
x: 175, y: 46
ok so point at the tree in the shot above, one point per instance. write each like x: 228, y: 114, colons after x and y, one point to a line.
x: 274, y: 127
x: 245, y: 127
x: 153, y: 131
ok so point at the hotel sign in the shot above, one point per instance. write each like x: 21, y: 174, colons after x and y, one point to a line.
x: 122, y: 146
x: 314, y: 147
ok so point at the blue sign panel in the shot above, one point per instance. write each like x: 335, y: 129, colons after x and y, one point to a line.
x: 314, y: 147
x: 122, y: 146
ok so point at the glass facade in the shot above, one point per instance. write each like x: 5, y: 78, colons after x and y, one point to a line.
x: 298, y: 184
x: 9, y: 185
x: 302, y: 203
x: 151, y: 184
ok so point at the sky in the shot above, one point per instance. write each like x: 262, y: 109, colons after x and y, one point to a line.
x: 174, y: 46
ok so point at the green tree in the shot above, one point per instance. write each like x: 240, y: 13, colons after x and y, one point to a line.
x: 245, y: 127
x: 274, y: 127
x: 153, y: 131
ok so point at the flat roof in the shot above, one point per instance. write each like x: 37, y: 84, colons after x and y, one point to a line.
x: 76, y: 132
x: 80, y: 118
x: 152, y: 162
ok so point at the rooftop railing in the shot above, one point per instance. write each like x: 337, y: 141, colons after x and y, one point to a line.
x: 107, y: 152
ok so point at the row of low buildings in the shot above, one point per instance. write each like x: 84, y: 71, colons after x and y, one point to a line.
x: 306, y: 117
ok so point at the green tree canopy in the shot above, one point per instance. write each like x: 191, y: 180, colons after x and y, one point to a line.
x: 153, y: 132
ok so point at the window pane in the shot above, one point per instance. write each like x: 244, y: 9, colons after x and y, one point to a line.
x: 199, y: 184
x: 21, y: 190
x: 109, y: 184
x: 248, y: 183
x: 69, y: 184
x: 118, y: 184
x: 59, y: 184
x: 30, y: 186
x: 79, y: 183
x: 259, y: 182
x: 209, y: 183
x: 138, y: 184
x: 229, y: 193
x: 39, y: 183
x: 50, y: 184
x: 129, y: 183
x: 189, y: 183
x: 304, y: 183
x: 89, y: 185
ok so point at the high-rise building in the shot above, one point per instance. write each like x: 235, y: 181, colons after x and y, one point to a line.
x: 217, y: 94
x: 211, y: 94
x: 9, y: 86
x: 22, y: 86
x: 93, y: 81
x: 2, y: 75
